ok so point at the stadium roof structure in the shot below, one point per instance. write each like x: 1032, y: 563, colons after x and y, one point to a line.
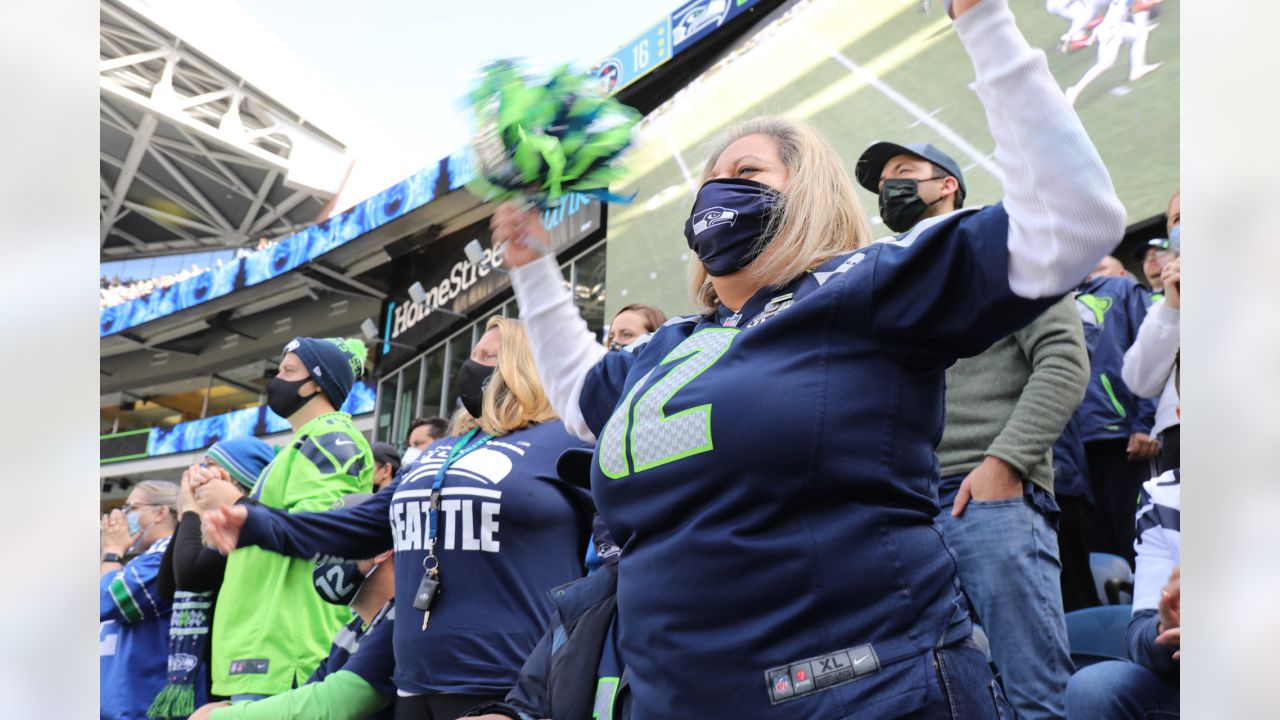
x: 194, y: 156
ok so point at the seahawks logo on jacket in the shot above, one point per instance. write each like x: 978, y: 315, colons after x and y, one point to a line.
x: 333, y: 453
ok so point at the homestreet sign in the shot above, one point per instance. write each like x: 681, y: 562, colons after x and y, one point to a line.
x: 452, y: 282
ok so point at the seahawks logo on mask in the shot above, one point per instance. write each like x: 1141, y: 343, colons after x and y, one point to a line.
x: 712, y: 217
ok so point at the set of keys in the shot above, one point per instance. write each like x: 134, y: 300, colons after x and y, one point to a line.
x: 427, y: 591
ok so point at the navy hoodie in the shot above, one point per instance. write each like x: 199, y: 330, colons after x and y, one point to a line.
x: 769, y: 477
x: 510, y: 531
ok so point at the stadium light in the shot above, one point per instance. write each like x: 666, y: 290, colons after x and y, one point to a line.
x: 419, y: 295
x: 370, y: 332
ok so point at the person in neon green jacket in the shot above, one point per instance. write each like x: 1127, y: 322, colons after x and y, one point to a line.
x: 270, y: 628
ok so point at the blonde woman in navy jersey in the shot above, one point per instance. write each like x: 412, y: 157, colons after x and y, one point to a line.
x: 798, y: 573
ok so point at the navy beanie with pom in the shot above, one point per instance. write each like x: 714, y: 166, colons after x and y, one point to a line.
x: 334, y: 363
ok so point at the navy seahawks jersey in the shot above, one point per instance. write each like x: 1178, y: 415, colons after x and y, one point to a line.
x: 769, y: 476
x: 509, y: 532
x: 1111, y: 309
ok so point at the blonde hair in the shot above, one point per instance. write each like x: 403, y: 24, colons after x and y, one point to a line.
x: 514, y: 398
x: 819, y: 217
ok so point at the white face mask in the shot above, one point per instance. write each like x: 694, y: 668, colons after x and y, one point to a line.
x: 410, y: 455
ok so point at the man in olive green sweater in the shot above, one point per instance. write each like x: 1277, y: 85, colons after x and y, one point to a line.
x: 1005, y: 408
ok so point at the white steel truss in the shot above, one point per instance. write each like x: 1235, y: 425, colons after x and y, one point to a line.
x: 193, y: 156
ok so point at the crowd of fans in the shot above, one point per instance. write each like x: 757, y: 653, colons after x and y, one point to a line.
x: 954, y: 419
x: 115, y: 291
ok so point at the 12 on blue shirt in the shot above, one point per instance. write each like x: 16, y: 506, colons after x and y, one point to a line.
x: 760, y: 575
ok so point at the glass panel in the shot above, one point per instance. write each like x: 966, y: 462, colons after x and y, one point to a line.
x: 434, y: 368
x: 589, y: 291
x: 408, y: 407
x: 459, y: 351
x: 386, y: 404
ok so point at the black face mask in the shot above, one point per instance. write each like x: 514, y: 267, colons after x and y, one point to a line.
x: 283, y: 397
x: 337, y: 582
x: 727, y: 228
x: 900, y: 203
x: 473, y: 378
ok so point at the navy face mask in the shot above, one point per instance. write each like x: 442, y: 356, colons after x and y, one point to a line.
x: 728, y: 224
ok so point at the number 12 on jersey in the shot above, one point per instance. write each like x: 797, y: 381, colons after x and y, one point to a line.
x: 640, y: 435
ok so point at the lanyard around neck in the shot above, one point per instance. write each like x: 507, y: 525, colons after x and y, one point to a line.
x: 457, y: 452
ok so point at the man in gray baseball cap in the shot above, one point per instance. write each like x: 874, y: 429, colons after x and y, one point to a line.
x: 1004, y: 410
x: 914, y: 182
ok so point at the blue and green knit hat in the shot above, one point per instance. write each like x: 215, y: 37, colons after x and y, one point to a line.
x: 334, y: 363
x: 244, y: 458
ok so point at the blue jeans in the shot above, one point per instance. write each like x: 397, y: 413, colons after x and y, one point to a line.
x: 963, y: 687
x: 1117, y: 689
x: 1007, y: 557
x: 248, y: 696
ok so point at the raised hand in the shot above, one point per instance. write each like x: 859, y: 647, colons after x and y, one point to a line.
x: 221, y: 527
x: 956, y: 8
x: 521, y: 232
x: 1171, y: 276
x: 115, y: 533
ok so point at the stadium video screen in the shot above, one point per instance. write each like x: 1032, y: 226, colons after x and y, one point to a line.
x: 289, y: 253
x: 867, y: 70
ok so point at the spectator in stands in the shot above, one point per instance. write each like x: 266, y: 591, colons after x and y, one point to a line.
x: 633, y: 322
x: 1148, y: 686
x: 1108, y: 267
x: 1153, y: 256
x: 1115, y: 424
x: 1004, y: 409
x: 270, y: 630
x: 134, y: 630
x: 355, y: 681
x: 753, y: 552
x: 422, y: 433
x: 491, y: 550
x: 190, y: 573
x: 386, y: 463
x: 1149, y: 363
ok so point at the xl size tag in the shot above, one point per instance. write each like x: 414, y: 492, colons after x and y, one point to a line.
x: 816, y: 674
x: 427, y: 590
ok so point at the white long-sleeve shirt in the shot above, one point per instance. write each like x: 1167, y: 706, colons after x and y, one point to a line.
x: 1063, y: 211
x: 1148, y: 363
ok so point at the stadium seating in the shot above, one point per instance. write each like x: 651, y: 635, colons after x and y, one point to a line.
x: 1113, y: 578
x: 1097, y: 634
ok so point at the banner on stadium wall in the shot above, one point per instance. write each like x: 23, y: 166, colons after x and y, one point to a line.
x: 199, y: 434
x: 455, y: 284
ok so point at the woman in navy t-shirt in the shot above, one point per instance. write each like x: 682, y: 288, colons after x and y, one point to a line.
x: 506, y: 531
x: 767, y: 465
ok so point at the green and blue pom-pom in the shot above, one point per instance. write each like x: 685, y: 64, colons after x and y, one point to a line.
x: 539, y: 139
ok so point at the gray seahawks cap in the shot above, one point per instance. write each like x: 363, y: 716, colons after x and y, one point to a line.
x: 871, y: 164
